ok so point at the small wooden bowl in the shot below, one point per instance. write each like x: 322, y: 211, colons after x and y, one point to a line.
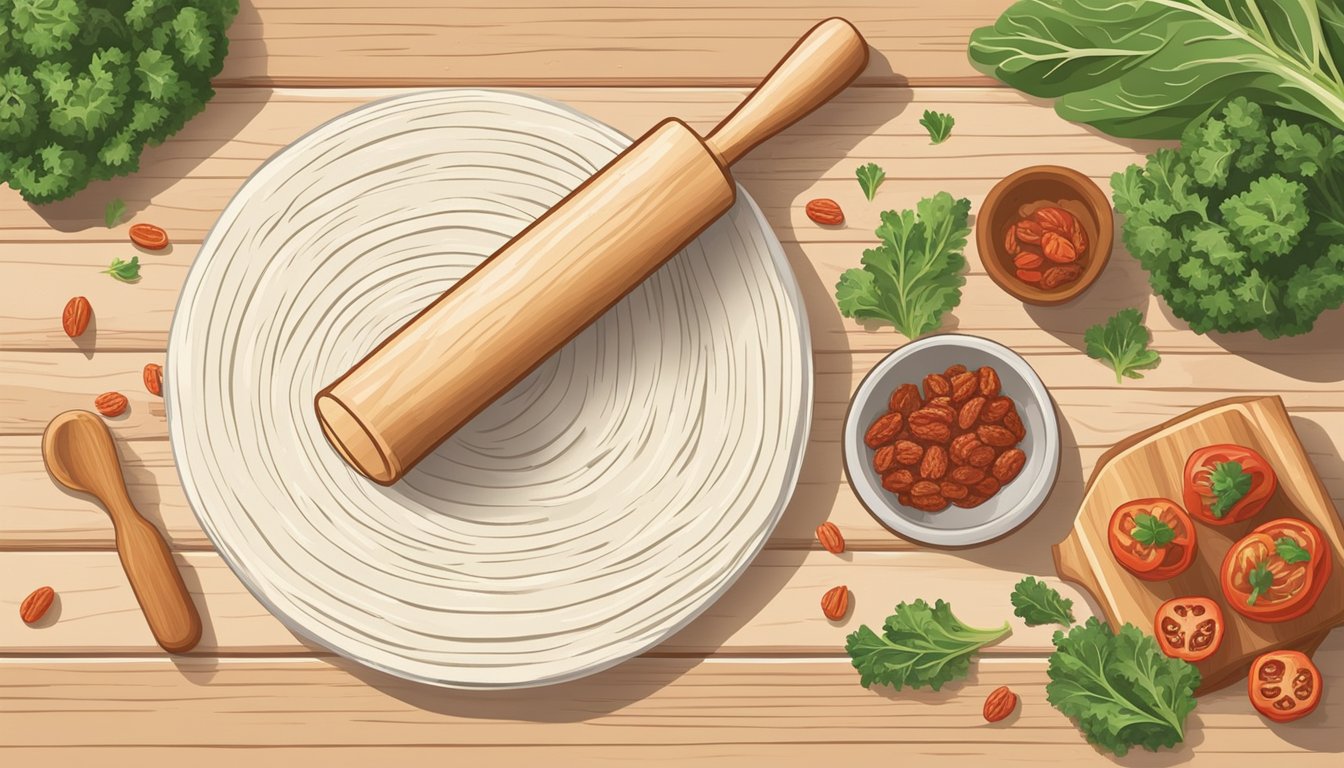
x: 1004, y: 206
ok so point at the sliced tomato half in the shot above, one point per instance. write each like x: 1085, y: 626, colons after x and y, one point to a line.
x: 1276, y: 572
x: 1189, y: 628
x: 1152, y: 538
x: 1227, y: 483
x: 1284, y: 685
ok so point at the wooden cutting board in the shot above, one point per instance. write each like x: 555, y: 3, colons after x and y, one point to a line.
x: 1150, y: 464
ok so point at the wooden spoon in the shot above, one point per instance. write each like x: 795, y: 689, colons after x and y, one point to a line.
x: 78, y: 451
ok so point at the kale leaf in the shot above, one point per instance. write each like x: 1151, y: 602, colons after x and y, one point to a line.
x: 919, y: 645
x: 1122, y: 343
x: 1149, y: 68
x: 914, y: 276
x: 1036, y: 604
x: 1119, y: 688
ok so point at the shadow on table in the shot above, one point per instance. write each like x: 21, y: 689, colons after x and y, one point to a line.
x: 1121, y: 285
x: 172, y: 161
x: 1307, y: 357
x: 1027, y: 549
x: 839, y: 127
x: 576, y: 701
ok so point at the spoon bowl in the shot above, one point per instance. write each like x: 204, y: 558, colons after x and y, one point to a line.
x: 70, y: 442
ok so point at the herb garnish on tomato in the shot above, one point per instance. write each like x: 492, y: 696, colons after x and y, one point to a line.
x: 1152, y: 532
x: 1260, y: 580
x: 1291, y: 551
x: 1276, y: 572
x: 1230, y: 484
x: 1152, y: 538
x: 1227, y: 483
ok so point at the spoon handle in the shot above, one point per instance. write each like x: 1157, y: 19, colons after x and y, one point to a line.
x: 156, y: 581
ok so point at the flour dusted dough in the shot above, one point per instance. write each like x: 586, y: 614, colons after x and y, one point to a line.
x: 585, y: 516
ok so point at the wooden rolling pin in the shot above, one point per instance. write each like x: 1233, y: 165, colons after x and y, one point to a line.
x: 558, y: 275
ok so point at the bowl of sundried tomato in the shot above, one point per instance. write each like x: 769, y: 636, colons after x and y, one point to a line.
x: 1044, y: 234
x: 952, y: 440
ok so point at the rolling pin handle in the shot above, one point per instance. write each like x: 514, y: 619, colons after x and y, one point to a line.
x: 828, y: 58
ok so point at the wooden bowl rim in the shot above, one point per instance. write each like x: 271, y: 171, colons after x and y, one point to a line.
x: 1089, y: 195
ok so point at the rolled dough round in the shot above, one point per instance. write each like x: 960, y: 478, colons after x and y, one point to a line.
x: 584, y: 517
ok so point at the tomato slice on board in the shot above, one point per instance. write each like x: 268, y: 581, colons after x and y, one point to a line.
x: 1276, y: 572
x: 1284, y: 685
x: 1189, y: 628
x: 1152, y: 538
x: 1227, y: 483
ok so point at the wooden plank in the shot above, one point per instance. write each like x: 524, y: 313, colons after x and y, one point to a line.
x: 911, y: 751
x: 42, y: 384
x: 39, y: 385
x: 184, y: 183
x: 676, y: 708
x: 126, y: 317
x: 773, y: 609
x: 40, y: 515
x: 600, y: 42
x: 137, y: 317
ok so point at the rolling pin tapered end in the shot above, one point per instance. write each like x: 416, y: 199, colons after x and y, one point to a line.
x: 352, y: 439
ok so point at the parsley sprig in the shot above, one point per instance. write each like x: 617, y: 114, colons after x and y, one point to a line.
x: 1260, y: 580
x: 1230, y: 484
x: 114, y: 212
x: 870, y: 177
x: 914, y: 276
x: 1291, y: 552
x: 1152, y: 532
x: 1122, y: 343
x: 938, y: 124
x: 125, y: 271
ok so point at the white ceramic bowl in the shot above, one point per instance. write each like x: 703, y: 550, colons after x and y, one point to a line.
x: 1010, y: 507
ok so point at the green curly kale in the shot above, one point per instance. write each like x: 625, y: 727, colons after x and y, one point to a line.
x: 1120, y: 688
x: 1122, y: 343
x: 1036, y: 604
x: 85, y: 86
x: 920, y: 645
x: 1242, y: 228
x: 914, y: 277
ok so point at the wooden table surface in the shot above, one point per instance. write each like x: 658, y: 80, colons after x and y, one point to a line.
x: 762, y: 676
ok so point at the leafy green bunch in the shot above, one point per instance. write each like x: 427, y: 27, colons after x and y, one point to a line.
x: 1242, y: 228
x: 1120, y: 688
x: 920, y: 645
x: 1150, y: 68
x: 85, y: 86
x: 914, y: 276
